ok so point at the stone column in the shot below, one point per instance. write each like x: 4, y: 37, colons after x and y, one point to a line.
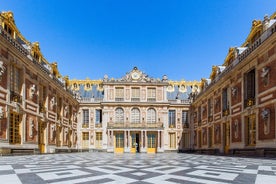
x: 146, y: 140
x: 162, y: 140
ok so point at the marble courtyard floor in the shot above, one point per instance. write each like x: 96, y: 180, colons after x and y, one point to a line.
x: 135, y: 168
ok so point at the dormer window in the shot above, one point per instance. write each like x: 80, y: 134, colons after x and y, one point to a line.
x: 36, y: 56
x: 8, y: 29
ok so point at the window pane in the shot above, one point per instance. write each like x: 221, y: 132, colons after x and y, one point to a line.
x: 184, y: 117
x: 135, y: 115
x: 119, y: 115
x: 171, y: 117
x: 119, y: 93
x: 151, y: 116
x: 85, y: 113
x: 98, y: 116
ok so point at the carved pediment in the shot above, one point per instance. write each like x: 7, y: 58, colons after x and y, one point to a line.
x: 136, y: 75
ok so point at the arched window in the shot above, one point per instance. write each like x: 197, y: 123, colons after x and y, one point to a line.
x: 119, y: 115
x: 151, y: 116
x: 135, y: 115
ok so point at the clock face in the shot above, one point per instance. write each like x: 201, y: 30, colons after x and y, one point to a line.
x: 135, y: 75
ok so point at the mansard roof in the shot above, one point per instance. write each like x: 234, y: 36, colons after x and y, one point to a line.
x: 32, y: 50
x: 259, y: 32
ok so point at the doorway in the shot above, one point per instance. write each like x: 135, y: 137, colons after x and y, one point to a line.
x: 135, y: 143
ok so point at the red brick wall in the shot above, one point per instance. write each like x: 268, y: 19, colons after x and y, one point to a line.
x: 236, y: 124
x: 217, y: 105
x: 272, y: 77
x: 28, y: 126
x: 4, y: 81
x: 261, y: 133
x: 217, y: 133
x: 3, y: 128
x: 236, y: 99
x: 204, y: 136
x: 51, y: 141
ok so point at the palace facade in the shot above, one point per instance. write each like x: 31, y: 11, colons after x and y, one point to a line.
x: 235, y: 111
x: 38, y: 113
x: 135, y: 113
x: 231, y: 112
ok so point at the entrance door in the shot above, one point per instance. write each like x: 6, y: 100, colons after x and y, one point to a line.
x: 226, y: 132
x: 135, y: 143
x: 119, y: 142
x: 172, y: 144
x: 251, y: 130
x: 85, y: 140
x: 151, y: 143
x: 15, y: 137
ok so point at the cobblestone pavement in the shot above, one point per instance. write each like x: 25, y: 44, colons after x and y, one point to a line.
x: 135, y: 168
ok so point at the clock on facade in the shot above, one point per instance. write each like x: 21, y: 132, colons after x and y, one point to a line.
x: 135, y: 75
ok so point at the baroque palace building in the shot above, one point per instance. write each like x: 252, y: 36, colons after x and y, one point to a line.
x: 38, y: 112
x: 235, y: 111
x: 231, y: 112
x: 135, y: 113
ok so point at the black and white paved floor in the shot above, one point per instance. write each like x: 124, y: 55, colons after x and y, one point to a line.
x: 135, y: 168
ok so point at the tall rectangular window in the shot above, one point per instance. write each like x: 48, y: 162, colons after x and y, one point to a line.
x: 98, y: 116
x: 151, y: 94
x: 172, y: 118
x: 15, y: 137
x: 210, y: 107
x: 85, y: 136
x: 99, y: 139
x: 15, y: 79
x: 184, y: 117
x: 225, y: 105
x: 119, y: 94
x: 249, y: 88
x: 85, y: 117
x: 199, y: 113
x: 135, y: 94
x: 172, y: 140
x: 119, y: 140
x: 151, y: 141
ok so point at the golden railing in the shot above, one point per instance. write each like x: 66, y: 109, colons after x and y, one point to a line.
x: 134, y: 125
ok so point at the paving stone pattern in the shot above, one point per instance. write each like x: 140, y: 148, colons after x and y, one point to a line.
x: 108, y: 168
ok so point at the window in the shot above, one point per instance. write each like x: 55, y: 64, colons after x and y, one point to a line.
x: 225, y: 106
x: 151, y: 94
x: 15, y: 137
x: 119, y: 140
x: 172, y: 140
x: 135, y: 115
x: 98, y: 116
x: 151, y: 141
x: 99, y: 138
x: 151, y: 116
x: 15, y: 80
x: 249, y: 88
x: 85, y: 136
x: 172, y: 118
x: 119, y: 115
x: 210, y: 107
x: 85, y: 117
x: 199, y: 114
x: 8, y: 29
x: 119, y: 94
x: 184, y: 117
x: 135, y: 94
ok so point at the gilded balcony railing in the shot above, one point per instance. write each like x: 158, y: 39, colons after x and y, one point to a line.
x: 249, y: 102
x: 134, y: 125
x: 98, y: 125
x: 85, y: 125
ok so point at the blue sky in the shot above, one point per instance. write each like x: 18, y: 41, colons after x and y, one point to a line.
x: 179, y: 38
